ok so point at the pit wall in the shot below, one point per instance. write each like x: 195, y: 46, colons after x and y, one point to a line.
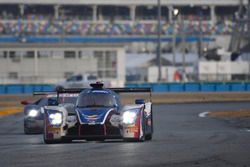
x: 24, y: 89
x: 196, y: 87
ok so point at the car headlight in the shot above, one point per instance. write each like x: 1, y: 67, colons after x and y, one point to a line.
x: 33, y: 113
x: 129, y: 117
x: 55, y: 118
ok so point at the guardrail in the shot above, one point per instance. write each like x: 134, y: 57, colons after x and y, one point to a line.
x: 156, y: 87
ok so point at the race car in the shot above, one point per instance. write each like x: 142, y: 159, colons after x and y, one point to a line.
x: 34, y: 113
x: 98, y: 115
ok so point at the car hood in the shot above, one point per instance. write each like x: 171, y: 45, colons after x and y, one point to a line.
x: 93, y: 115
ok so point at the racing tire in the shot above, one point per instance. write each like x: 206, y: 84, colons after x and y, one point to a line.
x: 143, y: 137
x: 149, y: 137
x: 26, y: 131
x: 100, y: 140
x: 48, y: 141
x: 130, y: 140
x: 66, y: 141
x: 51, y: 141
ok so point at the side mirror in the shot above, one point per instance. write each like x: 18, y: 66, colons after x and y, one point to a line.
x: 115, y: 105
x: 24, y: 102
x: 139, y: 101
x: 52, y: 102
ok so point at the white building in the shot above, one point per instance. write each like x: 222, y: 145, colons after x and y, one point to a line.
x: 223, y: 71
x: 51, y: 63
x: 23, y: 61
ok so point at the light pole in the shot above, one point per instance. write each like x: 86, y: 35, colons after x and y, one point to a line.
x: 175, y: 13
x: 248, y: 30
x: 184, y: 50
x: 248, y: 20
x: 159, y: 41
x: 200, y: 43
x: 62, y: 21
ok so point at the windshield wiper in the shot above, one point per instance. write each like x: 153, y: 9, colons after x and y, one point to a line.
x: 86, y: 106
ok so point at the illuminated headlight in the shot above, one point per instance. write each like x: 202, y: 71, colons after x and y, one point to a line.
x: 55, y: 118
x: 33, y: 113
x: 129, y: 117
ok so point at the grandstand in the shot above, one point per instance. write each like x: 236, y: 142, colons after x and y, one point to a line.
x: 115, y: 18
x: 132, y: 23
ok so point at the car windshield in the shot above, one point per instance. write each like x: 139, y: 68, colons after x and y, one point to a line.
x: 67, y: 100
x: 96, y: 100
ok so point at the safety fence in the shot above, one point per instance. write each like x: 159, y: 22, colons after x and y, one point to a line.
x: 156, y: 87
x: 117, y: 28
x: 97, y: 39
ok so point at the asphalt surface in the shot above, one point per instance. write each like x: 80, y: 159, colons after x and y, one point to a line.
x: 181, y: 138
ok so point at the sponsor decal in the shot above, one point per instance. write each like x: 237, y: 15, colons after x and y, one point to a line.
x: 98, y: 116
x: 91, y: 117
x: 115, y: 120
x: 63, y: 95
x: 149, y: 122
x: 147, y: 110
x: 133, y: 129
x: 53, y: 130
x: 91, y: 123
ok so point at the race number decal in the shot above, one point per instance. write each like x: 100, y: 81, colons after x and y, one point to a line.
x: 115, y: 120
x: 147, y: 109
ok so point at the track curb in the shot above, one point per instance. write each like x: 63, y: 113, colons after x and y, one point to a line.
x: 10, y: 111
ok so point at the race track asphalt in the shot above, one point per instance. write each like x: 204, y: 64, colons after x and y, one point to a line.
x: 181, y: 139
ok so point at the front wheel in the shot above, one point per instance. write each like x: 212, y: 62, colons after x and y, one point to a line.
x: 52, y: 141
x: 143, y: 137
x: 49, y: 141
x: 66, y: 141
x: 149, y: 137
x: 142, y: 128
x: 26, y: 131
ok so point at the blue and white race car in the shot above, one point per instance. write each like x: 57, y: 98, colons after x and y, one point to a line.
x: 98, y: 115
x: 34, y: 113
